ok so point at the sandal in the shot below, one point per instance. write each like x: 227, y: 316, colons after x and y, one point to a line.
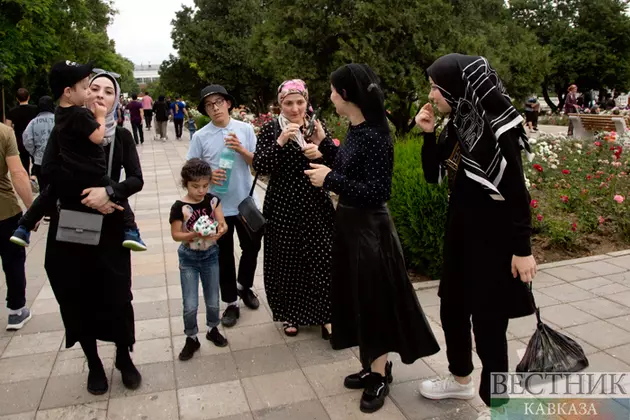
x: 286, y: 326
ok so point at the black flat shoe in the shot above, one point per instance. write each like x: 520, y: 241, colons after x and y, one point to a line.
x: 376, y: 391
x: 216, y: 338
x: 288, y: 325
x: 131, y: 377
x: 360, y: 380
x: 231, y: 316
x: 97, y: 381
x: 326, y: 335
x: 249, y: 298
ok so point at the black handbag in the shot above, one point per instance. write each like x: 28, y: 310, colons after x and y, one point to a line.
x: 250, y: 216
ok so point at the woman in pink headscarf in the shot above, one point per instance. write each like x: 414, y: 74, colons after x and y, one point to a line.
x: 299, y: 232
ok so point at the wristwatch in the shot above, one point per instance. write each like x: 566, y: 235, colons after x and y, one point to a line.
x: 110, y: 192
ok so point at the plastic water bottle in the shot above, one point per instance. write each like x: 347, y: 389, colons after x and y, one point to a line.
x: 226, y: 162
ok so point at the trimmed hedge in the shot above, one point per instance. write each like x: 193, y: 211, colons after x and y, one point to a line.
x: 418, y: 208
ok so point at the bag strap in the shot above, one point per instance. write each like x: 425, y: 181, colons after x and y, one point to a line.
x: 111, y: 157
x: 275, y: 136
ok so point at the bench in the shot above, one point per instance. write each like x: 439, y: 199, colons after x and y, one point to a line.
x: 585, y: 124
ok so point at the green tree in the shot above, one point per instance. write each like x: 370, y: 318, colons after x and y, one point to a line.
x: 589, y: 43
x: 213, y: 41
x: 37, y: 33
x: 178, y: 77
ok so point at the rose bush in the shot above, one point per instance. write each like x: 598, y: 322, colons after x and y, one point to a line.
x: 579, y: 187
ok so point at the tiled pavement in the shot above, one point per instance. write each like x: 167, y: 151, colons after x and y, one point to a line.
x: 264, y: 374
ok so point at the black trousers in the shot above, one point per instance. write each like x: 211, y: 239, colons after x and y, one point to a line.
x: 148, y: 117
x: 490, y: 337
x: 41, y: 181
x: 25, y: 158
x: 137, y: 128
x: 13, y: 259
x: 227, y: 266
x: 179, y: 127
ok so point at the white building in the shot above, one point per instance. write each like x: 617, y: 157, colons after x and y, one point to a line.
x: 146, y: 73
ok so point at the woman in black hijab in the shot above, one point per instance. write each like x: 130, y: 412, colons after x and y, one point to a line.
x: 487, y: 250
x: 374, y: 305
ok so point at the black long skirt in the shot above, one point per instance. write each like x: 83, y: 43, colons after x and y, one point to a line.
x: 374, y: 305
x: 92, y: 285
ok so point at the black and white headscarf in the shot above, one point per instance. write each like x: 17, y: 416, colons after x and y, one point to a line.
x: 481, y: 113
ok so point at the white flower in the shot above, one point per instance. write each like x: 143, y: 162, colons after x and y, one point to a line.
x: 554, y: 167
x: 532, y: 141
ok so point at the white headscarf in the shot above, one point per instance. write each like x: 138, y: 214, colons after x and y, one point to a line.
x: 111, y: 118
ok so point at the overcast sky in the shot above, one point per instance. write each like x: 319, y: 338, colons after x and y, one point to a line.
x: 142, y: 29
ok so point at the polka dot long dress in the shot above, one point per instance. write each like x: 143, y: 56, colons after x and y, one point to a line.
x: 298, y: 236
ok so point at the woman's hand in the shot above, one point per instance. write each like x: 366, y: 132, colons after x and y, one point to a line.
x: 426, y: 118
x: 96, y: 197
x: 319, y: 134
x: 289, y: 132
x: 525, y: 267
x: 317, y: 175
x: 311, y: 151
x: 109, y: 208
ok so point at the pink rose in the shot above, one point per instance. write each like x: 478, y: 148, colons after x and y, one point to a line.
x: 337, y: 142
x: 619, y: 198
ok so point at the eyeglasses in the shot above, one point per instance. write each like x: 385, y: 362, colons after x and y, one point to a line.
x: 218, y: 103
x: 111, y: 73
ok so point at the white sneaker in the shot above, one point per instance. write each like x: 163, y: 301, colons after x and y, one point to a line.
x: 439, y: 389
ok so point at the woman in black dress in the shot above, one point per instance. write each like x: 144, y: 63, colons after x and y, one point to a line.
x: 92, y: 284
x: 487, y: 243
x: 374, y: 305
x: 299, y: 231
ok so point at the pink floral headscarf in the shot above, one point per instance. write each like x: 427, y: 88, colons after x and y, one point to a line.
x: 292, y: 86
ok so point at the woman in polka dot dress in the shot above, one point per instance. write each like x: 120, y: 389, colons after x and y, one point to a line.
x: 300, y: 224
x: 374, y: 305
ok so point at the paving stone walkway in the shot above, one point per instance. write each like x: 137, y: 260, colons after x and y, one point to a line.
x: 263, y: 374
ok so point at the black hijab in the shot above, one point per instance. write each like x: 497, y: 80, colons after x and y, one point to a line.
x: 46, y: 104
x: 481, y: 113
x: 357, y: 83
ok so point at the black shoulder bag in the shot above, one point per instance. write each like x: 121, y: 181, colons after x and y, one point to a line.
x: 248, y: 213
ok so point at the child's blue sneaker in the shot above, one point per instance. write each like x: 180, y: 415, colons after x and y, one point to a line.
x: 133, y: 240
x: 21, y: 237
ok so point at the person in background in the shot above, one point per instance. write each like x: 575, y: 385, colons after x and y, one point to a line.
x: 161, y: 110
x: 120, y: 112
x: 13, y: 256
x: 570, y: 106
x: 531, y: 113
x: 36, y: 136
x: 178, y: 111
x: 136, y: 115
x: 18, y: 118
x: 192, y: 127
x: 147, y: 109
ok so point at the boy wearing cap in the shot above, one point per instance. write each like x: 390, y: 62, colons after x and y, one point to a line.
x: 79, y: 136
x: 207, y: 144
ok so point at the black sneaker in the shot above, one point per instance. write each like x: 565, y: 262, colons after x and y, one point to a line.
x: 359, y: 380
x: 217, y: 339
x: 97, y: 380
x: 191, y: 346
x: 249, y: 298
x: 375, y: 393
x: 230, y: 316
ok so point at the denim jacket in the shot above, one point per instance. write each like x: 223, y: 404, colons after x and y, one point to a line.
x: 36, y: 135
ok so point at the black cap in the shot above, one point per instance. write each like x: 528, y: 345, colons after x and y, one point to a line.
x: 213, y: 90
x: 67, y: 74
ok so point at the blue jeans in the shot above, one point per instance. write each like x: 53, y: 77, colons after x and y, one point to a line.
x: 194, y: 265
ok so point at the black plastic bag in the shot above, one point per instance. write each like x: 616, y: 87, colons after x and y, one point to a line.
x: 550, y: 351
